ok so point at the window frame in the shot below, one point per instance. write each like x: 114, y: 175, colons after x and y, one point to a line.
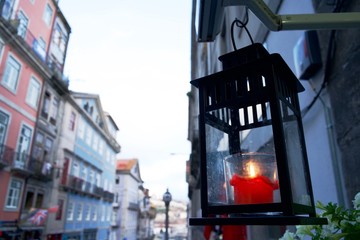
x: 79, y: 211
x: 23, y: 25
x: 5, y: 125
x: 15, y: 202
x: 72, y: 120
x: 8, y: 80
x: 48, y: 14
x: 70, y: 211
x: 33, y: 92
x: 58, y: 215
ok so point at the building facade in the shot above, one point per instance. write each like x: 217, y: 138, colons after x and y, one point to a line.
x: 128, y: 181
x: 28, y: 40
x: 329, y: 123
x: 86, y: 160
x: 57, y: 147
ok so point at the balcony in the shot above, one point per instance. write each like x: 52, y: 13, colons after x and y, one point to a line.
x: 133, y: 206
x: 42, y: 171
x: 98, y: 191
x: 72, y: 183
x: 21, y: 164
x: 31, y: 47
x: 6, y: 156
x: 108, y: 196
x: 79, y: 185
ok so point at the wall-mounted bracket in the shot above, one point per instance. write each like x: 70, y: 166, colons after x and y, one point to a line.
x: 276, y: 22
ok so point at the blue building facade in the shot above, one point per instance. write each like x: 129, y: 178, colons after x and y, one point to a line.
x: 89, y: 174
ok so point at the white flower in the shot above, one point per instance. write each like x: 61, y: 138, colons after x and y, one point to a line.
x: 304, y: 230
x: 356, y: 201
x: 288, y: 236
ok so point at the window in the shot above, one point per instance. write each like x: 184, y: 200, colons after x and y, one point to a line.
x: 72, y: 121
x: 81, y: 128
x: 39, y: 200
x: 94, y: 213
x: 42, y: 44
x: 2, y: 44
x: 48, y: 144
x: 4, y: 121
x: 23, y: 147
x: 30, y: 195
x: 88, y: 135
x: 59, y: 212
x: 11, y: 73
x: 101, y: 146
x: 23, y: 23
x: 13, y: 197
x: 46, y: 105
x: 87, y: 212
x: 84, y: 173
x: 95, y: 141
x: 75, y: 169
x: 79, y: 212
x: 54, y: 110
x: 91, y: 176
x: 103, y: 213
x: 70, y: 212
x: 7, y: 8
x: 48, y: 13
x: 33, y: 93
x: 60, y: 38
x: 108, y: 216
x: 105, y: 184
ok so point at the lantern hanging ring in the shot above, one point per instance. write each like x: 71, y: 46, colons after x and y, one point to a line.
x: 240, y: 24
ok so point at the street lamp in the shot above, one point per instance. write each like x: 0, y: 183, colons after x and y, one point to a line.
x: 167, y: 199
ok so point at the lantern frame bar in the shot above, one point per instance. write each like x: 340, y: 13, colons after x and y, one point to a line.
x: 258, y: 220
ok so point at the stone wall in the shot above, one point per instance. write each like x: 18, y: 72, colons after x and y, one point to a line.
x: 344, y: 89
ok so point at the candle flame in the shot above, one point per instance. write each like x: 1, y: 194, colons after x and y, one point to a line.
x: 253, y: 169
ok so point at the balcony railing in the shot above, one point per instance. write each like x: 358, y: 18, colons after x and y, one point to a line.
x: 34, y: 46
x: 108, y: 196
x: 6, y: 156
x: 21, y: 164
x: 42, y: 170
x: 79, y: 185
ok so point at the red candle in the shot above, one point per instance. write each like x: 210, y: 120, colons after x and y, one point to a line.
x: 253, y: 188
x: 250, y: 188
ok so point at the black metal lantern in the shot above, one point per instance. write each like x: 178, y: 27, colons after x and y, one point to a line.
x: 254, y: 168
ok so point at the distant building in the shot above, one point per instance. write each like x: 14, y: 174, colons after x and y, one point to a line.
x: 147, y: 214
x: 86, y: 157
x: 128, y: 181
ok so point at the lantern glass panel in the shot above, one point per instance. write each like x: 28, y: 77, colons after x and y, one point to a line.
x: 217, y: 149
x: 295, y: 155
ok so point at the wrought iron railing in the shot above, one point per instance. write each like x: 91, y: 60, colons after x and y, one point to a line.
x: 34, y: 45
x: 6, y: 155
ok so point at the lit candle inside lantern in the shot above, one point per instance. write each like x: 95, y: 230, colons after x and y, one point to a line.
x: 254, y: 187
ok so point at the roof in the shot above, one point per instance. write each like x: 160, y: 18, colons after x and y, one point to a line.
x: 129, y: 166
x: 126, y: 164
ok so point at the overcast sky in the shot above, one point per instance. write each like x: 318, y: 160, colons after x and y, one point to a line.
x: 136, y: 56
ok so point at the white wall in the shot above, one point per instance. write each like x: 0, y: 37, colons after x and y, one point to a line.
x: 315, y: 125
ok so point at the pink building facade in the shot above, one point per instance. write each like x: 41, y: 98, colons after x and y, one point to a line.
x: 33, y: 39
